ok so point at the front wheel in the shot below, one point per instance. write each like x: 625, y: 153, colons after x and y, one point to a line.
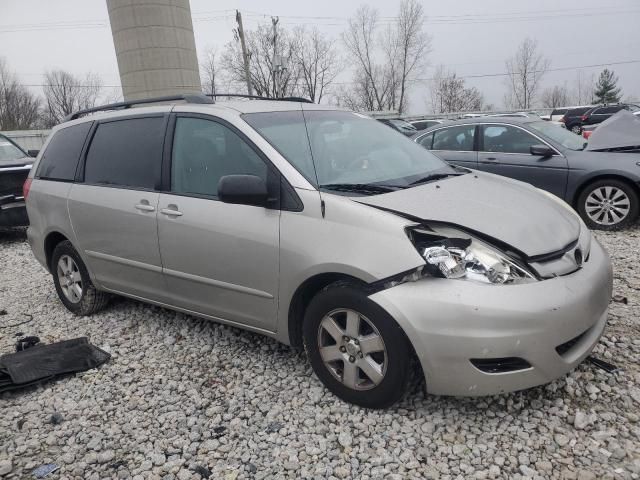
x: 356, y: 349
x: 608, y: 205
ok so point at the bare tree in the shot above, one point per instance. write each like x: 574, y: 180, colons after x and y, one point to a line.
x: 64, y: 93
x: 556, y: 96
x: 19, y: 108
x: 318, y: 62
x: 260, y: 47
x: 387, y: 62
x: 209, y: 71
x: 449, y: 93
x: 359, y: 39
x: 414, y: 45
x: 526, y: 69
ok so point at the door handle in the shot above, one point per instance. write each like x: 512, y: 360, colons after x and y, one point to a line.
x: 145, y: 207
x: 171, y: 211
x: 491, y: 159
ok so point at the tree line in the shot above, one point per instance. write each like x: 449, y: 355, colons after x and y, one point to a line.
x: 387, y: 58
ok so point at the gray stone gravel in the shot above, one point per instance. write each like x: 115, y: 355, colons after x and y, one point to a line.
x: 182, y: 395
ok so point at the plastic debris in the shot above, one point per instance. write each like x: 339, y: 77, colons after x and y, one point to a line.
x: 45, y: 470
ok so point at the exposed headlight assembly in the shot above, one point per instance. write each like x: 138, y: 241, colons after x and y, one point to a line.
x: 466, y: 258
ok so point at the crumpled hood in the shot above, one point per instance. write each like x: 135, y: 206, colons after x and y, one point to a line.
x: 510, y: 211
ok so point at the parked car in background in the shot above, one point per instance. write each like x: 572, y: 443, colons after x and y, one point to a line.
x: 603, y: 187
x: 597, y: 115
x: 399, y: 125
x: 516, y: 115
x: 573, y: 119
x: 424, y: 124
x: 321, y: 228
x: 15, y: 165
x: 557, y: 113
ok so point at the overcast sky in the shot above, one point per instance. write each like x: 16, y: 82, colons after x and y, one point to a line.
x: 472, y: 37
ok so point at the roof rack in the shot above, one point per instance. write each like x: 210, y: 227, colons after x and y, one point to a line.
x: 258, y: 97
x: 189, y: 98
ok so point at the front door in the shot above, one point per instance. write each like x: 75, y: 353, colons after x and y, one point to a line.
x: 113, y: 212
x: 505, y: 150
x: 219, y: 259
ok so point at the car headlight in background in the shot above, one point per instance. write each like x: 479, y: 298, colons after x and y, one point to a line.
x: 458, y: 256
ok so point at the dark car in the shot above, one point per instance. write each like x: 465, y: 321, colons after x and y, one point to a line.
x: 424, y: 124
x: 15, y: 164
x: 572, y: 119
x: 399, y: 125
x: 604, y: 187
x: 600, y: 114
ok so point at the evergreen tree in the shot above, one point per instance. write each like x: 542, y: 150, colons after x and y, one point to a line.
x: 606, y: 90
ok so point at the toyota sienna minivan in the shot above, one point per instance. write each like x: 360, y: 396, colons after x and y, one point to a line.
x: 324, y: 228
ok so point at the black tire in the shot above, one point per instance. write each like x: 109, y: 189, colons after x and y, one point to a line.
x: 91, y: 299
x: 576, y: 128
x: 398, y: 350
x: 631, y: 193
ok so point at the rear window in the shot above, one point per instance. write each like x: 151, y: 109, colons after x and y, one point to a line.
x: 559, y: 111
x: 60, y: 159
x: 126, y: 153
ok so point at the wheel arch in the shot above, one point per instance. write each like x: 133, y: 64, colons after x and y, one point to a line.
x: 604, y: 176
x: 303, y: 295
x: 52, y: 239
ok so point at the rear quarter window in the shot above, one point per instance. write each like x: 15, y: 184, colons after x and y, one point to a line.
x: 60, y: 159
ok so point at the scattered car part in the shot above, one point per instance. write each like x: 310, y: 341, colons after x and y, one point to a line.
x: 44, y: 471
x: 601, y: 364
x: 44, y: 362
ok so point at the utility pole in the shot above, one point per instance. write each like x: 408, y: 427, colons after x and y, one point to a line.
x: 245, y: 55
x: 275, y: 63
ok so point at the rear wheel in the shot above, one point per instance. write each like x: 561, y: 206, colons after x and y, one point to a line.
x: 608, y: 205
x: 356, y: 349
x: 577, y: 129
x: 72, y: 281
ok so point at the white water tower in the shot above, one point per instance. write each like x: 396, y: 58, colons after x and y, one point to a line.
x: 155, y: 47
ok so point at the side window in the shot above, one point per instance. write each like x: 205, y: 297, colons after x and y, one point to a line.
x: 205, y: 151
x: 507, y: 139
x: 126, y: 153
x: 60, y: 159
x: 426, y: 141
x: 459, y: 138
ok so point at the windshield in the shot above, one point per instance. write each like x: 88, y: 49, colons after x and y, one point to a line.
x: 9, y: 152
x: 560, y: 135
x: 346, y: 148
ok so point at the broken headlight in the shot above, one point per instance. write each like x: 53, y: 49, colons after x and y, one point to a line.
x: 467, y: 258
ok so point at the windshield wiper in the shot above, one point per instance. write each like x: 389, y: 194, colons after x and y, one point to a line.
x: 434, y: 176
x: 359, y: 187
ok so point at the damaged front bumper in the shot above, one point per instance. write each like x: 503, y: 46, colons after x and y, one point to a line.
x: 475, y: 339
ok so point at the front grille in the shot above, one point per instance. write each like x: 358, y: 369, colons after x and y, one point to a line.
x: 562, y: 349
x: 11, y: 182
x: 500, y: 365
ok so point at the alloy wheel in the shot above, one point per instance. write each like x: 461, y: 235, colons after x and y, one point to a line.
x: 69, y: 278
x: 607, y: 205
x: 352, y: 349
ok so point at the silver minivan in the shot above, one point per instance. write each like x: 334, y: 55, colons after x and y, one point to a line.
x: 324, y: 228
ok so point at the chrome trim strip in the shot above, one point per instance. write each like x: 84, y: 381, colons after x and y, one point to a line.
x: 217, y: 283
x: 15, y: 169
x: 244, y: 326
x: 124, y: 261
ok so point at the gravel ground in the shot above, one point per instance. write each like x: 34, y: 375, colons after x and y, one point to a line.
x: 182, y: 395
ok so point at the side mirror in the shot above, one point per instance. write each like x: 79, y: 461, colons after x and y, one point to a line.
x: 243, y: 190
x: 543, y: 151
x: 33, y: 153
